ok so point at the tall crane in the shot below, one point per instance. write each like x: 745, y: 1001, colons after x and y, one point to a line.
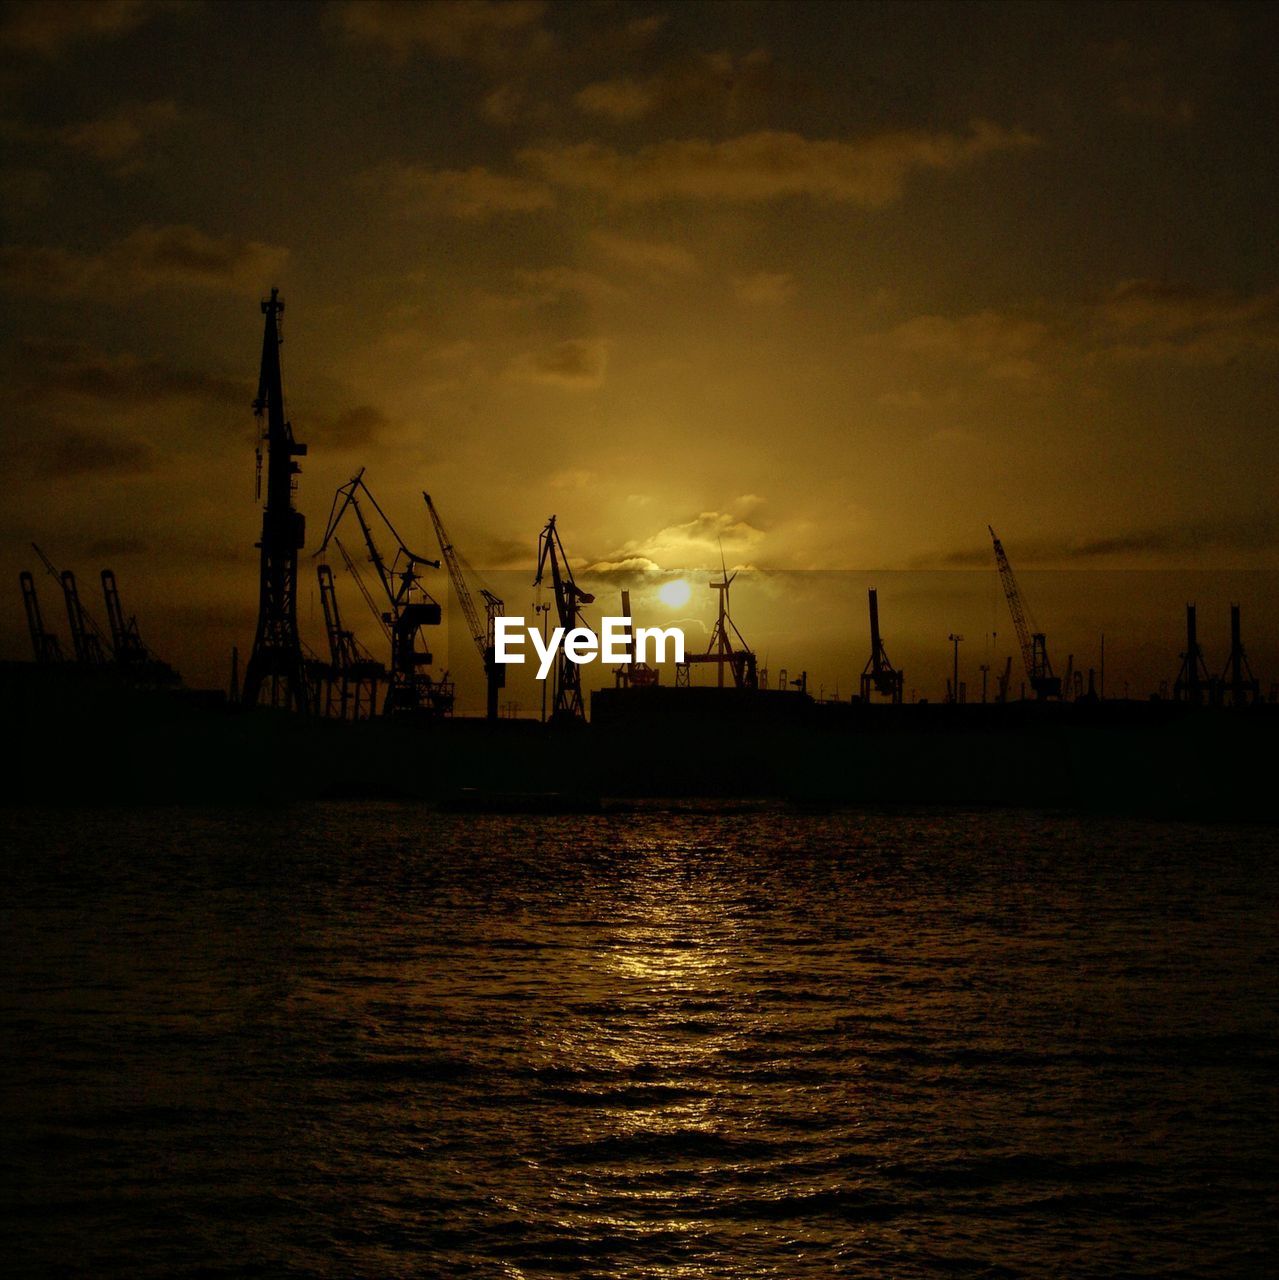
x: 878, y: 674
x: 569, y: 598
x: 352, y: 673
x: 276, y: 673
x: 482, y: 633
x: 411, y: 607
x: 43, y: 643
x: 1034, y: 647
x: 86, y: 635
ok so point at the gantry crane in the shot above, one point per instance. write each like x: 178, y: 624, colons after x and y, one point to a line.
x: 126, y: 643
x: 352, y: 673
x: 569, y: 598
x: 632, y: 674
x: 44, y: 643
x: 482, y: 633
x: 1034, y: 647
x: 86, y: 635
x: 878, y: 674
x: 411, y: 608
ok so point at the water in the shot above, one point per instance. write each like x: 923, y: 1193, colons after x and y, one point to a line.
x: 371, y: 1039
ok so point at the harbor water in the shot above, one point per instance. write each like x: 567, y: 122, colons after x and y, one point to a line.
x: 670, y: 1040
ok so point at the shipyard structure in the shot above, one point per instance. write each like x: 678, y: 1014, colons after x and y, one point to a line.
x: 379, y: 719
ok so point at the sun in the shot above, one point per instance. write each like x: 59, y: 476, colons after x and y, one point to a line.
x: 674, y: 593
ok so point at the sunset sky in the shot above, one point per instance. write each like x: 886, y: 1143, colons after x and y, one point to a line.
x: 838, y: 285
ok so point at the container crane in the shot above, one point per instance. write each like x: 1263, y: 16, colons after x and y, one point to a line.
x: 411, y: 608
x: 44, y: 643
x: 126, y: 643
x: 352, y: 673
x: 569, y: 598
x: 878, y: 674
x: 482, y: 633
x: 1034, y: 647
x: 86, y: 635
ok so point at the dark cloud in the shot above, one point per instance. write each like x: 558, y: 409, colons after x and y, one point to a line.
x: 47, y: 27
x: 489, y: 32
x: 151, y: 257
x: 474, y: 193
x: 44, y: 367
x: 70, y: 453
x: 117, y: 139
x: 348, y: 429
x: 870, y: 171
x: 577, y: 364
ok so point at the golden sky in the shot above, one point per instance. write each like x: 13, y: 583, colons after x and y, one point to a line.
x: 837, y: 285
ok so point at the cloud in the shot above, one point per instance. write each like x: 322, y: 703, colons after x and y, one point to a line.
x: 1004, y: 346
x: 1145, y: 319
x: 23, y: 187
x: 70, y: 453
x: 460, y: 193
x: 115, y: 139
x: 654, y: 258
x: 764, y: 288
x: 483, y: 31
x: 1185, y: 539
x: 768, y: 165
x: 545, y: 285
x: 148, y: 258
x: 47, y: 27
x: 577, y: 364
x: 351, y: 428
x: 68, y: 368
x: 704, y: 81
x: 696, y: 543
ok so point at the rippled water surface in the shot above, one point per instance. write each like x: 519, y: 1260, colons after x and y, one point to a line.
x: 362, y: 1039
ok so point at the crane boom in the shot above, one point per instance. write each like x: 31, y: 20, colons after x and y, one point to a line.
x: 86, y: 635
x: 482, y: 633
x: 1034, y: 645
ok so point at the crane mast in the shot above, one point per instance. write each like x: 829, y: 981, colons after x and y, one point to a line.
x: 482, y: 634
x: 569, y: 597
x: 1034, y: 646
x: 276, y: 673
x: 44, y: 643
x: 878, y: 674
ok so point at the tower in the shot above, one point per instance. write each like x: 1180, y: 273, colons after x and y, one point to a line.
x: 274, y: 675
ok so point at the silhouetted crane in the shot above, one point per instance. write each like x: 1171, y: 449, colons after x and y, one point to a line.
x: 878, y: 674
x: 569, y: 597
x: 43, y: 643
x: 352, y: 672
x: 411, y: 688
x: 482, y: 633
x: 86, y: 635
x: 1034, y: 647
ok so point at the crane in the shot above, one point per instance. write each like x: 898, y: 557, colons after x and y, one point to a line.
x: 411, y: 607
x: 720, y: 650
x: 126, y: 643
x: 1034, y: 647
x: 86, y: 635
x: 878, y: 674
x: 352, y: 671
x: 44, y: 643
x: 569, y: 598
x: 482, y: 634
